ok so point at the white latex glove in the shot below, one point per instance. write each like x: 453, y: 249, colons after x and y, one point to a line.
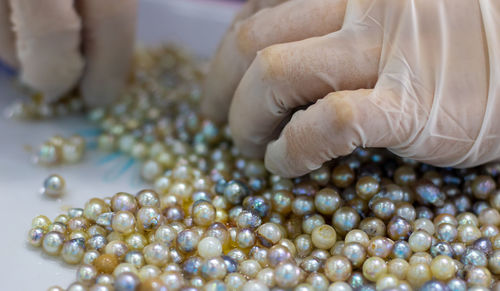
x: 420, y: 78
x: 58, y: 44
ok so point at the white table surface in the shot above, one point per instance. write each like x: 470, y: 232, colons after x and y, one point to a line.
x: 197, y: 25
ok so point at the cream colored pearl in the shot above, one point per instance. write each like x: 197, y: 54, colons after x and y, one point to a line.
x: 443, y: 268
x: 209, y: 247
x: 323, y: 236
x: 373, y: 268
x: 359, y: 236
x: 398, y: 267
x: 123, y: 222
x: 339, y: 286
x: 418, y: 274
x: 420, y: 241
x: 124, y: 267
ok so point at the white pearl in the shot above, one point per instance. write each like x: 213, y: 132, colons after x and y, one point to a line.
x: 54, y: 186
x: 339, y: 286
x: 253, y: 285
x: 209, y: 247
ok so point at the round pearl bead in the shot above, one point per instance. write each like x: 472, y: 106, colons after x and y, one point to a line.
x: 54, y: 186
x: 86, y: 274
x: 52, y: 243
x: 35, y: 237
x: 338, y: 268
x: 339, y: 286
x: 323, y: 236
x: 420, y: 241
x: 126, y: 281
x: 373, y: 268
x: 123, y: 222
x: 418, y: 274
x: 72, y: 251
x: 209, y: 247
x: 156, y: 254
x: 443, y: 268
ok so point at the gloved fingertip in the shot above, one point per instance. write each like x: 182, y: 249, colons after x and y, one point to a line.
x: 276, y: 158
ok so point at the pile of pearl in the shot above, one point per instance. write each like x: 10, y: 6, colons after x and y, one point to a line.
x: 217, y: 221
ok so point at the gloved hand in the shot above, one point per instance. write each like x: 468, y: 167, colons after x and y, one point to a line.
x: 421, y: 78
x: 57, y: 44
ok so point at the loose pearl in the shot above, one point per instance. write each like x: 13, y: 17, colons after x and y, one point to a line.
x: 117, y: 248
x: 135, y: 258
x: 339, y: 286
x: 41, y: 221
x: 269, y: 234
x: 52, y: 243
x: 148, y: 198
x: 73, y: 250
x: 323, y: 236
x: 420, y: 241
x: 213, y: 268
x: 54, y: 186
x: 156, y: 254
x: 77, y: 287
x: 35, y: 237
x: 86, y: 274
x: 124, y: 268
x: 126, y: 281
x: 286, y: 275
x: 327, y: 201
x: 209, y: 247
x: 95, y: 207
x: 148, y: 218
x: 443, y: 268
x: 357, y: 236
x: 249, y: 268
x: 418, y: 274
x: 398, y: 267
x: 123, y: 202
x: 123, y: 222
x: 387, y: 281
x: 105, y: 279
x: 373, y: 268
x: 338, y: 268
x: 236, y: 281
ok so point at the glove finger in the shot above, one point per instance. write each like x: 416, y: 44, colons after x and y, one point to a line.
x: 7, y: 47
x: 47, y: 40
x: 285, y: 76
x: 279, y: 24
x: 108, y: 43
x: 253, y: 6
x: 334, y: 126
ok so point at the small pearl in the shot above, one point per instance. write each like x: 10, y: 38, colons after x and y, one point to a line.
x: 52, y: 243
x: 323, y: 236
x: 72, y: 251
x: 123, y: 222
x: 373, y: 268
x: 35, y: 237
x: 54, y: 186
x: 420, y: 241
x: 86, y: 274
x: 156, y: 254
x: 126, y: 281
x: 209, y: 247
x: 339, y: 286
x: 338, y: 268
x: 443, y: 268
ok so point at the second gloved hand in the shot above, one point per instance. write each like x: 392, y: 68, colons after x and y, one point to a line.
x: 420, y: 78
x: 58, y: 44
